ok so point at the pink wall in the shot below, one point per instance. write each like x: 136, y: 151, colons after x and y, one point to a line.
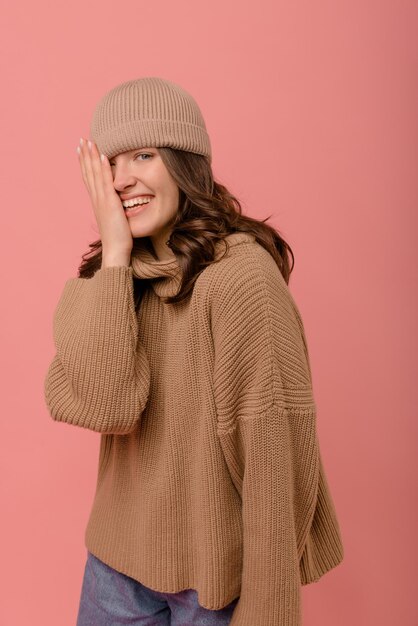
x: 312, y: 112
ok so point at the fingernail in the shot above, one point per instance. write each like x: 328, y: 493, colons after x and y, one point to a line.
x: 102, y: 157
x: 89, y: 145
x: 78, y: 149
x: 81, y: 140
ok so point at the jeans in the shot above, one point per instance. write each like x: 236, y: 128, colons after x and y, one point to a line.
x: 110, y: 598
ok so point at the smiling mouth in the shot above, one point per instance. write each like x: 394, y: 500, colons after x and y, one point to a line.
x: 137, y: 208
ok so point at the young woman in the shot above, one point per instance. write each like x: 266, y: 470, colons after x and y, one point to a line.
x: 180, y: 343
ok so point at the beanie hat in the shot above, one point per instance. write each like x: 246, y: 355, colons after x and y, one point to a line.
x: 149, y: 112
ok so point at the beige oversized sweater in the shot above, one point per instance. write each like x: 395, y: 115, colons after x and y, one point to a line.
x: 209, y: 472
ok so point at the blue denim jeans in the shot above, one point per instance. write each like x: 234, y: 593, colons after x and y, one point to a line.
x: 110, y: 598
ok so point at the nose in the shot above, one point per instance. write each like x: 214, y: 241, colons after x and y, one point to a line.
x: 122, y: 179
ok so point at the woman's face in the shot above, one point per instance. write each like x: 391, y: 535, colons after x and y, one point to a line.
x: 142, y: 172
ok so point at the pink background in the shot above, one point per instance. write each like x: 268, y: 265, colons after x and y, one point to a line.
x: 312, y: 112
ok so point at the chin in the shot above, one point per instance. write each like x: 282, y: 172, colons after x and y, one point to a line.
x: 142, y: 230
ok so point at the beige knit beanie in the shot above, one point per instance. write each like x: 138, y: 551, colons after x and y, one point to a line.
x: 149, y: 112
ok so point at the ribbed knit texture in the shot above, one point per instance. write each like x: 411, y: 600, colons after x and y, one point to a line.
x: 149, y: 112
x: 209, y: 473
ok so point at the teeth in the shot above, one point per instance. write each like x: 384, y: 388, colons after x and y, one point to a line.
x: 135, y: 201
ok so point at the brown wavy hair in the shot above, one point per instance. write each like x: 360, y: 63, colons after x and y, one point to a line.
x: 207, y: 213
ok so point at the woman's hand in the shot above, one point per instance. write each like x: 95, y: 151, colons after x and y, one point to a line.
x: 115, y: 232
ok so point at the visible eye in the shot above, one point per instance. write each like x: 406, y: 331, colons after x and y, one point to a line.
x: 137, y: 155
x: 143, y: 154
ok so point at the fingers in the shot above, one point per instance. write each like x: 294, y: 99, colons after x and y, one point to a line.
x: 87, y: 169
x: 107, y: 174
x: 80, y: 152
x: 113, y: 225
x: 96, y: 172
x: 96, y: 169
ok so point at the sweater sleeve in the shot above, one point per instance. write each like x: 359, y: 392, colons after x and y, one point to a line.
x: 266, y: 425
x: 99, y: 377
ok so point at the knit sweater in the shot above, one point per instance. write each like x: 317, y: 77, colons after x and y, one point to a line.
x: 210, y: 475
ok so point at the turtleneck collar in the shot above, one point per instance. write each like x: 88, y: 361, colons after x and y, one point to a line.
x: 166, y: 275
